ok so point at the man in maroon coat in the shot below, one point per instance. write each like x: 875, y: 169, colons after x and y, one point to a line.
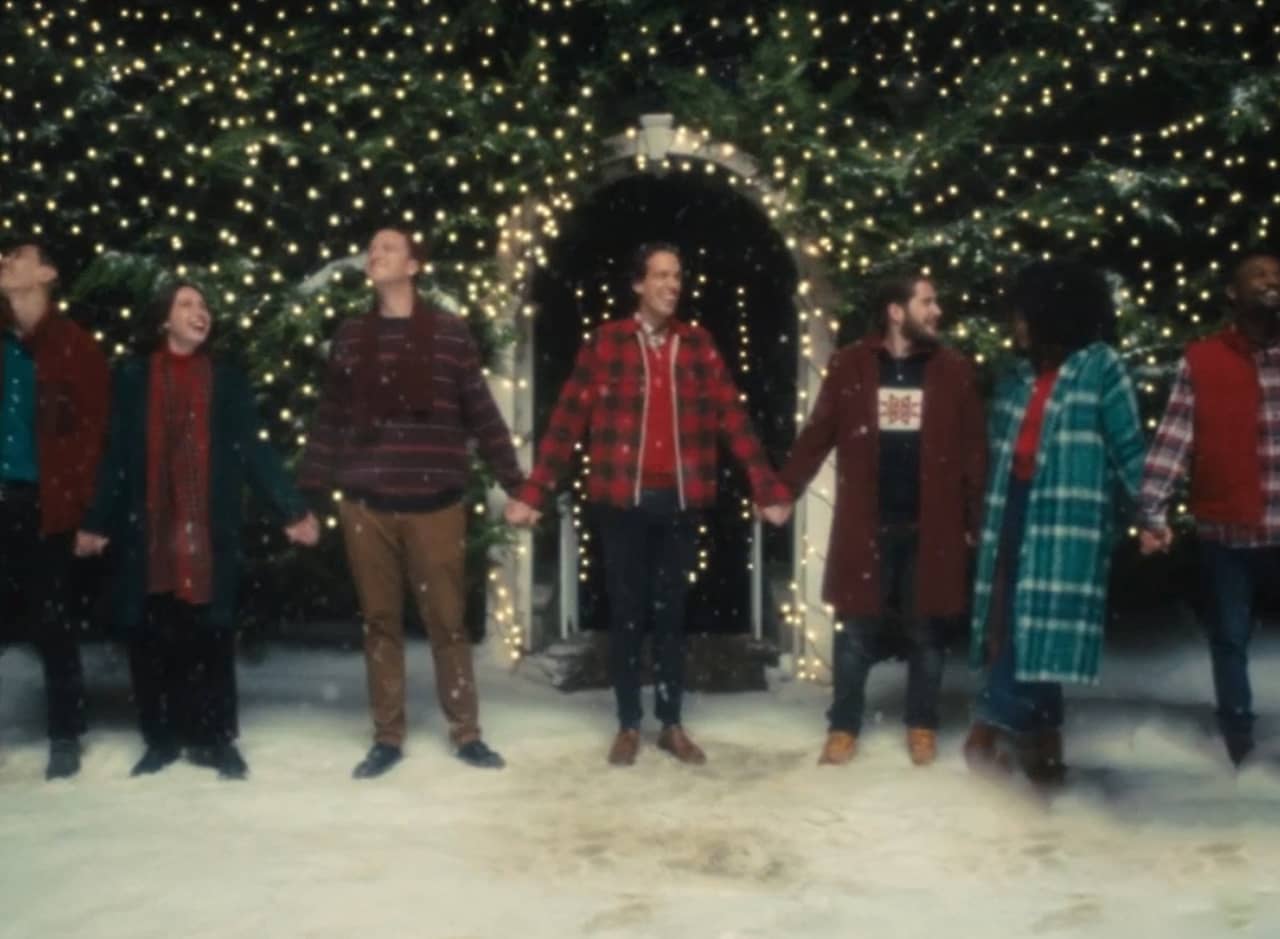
x: 904, y: 417
x: 53, y: 420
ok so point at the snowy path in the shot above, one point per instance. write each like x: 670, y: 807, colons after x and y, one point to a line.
x: 1157, y: 835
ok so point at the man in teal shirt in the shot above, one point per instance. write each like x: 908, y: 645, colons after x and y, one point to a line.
x: 54, y: 389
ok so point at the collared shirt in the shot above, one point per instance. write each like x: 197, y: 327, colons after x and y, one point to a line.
x: 18, y: 461
x: 1169, y: 459
x: 654, y: 336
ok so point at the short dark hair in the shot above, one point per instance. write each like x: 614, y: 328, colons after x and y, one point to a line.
x: 417, y: 249
x: 152, y: 326
x: 1241, y: 258
x: 1066, y: 304
x: 42, y: 252
x: 896, y: 287
x: 640, y: 258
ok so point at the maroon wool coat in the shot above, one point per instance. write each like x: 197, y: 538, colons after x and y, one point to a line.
x: 72, y: 400
x: 953, y: 457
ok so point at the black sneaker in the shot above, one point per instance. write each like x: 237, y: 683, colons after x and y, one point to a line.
x: 154, y: 760
x: 476, y: 753
x: 1239, y: 746
x: 381, y: 757
x: 64, y: 758
x: 224, y: 757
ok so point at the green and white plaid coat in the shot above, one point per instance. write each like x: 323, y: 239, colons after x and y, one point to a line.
x: 1090, y: 458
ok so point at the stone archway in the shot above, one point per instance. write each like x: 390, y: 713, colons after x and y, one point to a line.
x: 657, y: 146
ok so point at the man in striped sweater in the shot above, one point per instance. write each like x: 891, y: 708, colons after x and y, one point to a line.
x: 403, y: 396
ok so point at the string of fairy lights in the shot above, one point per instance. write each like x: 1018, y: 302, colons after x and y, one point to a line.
x: 250, y: 143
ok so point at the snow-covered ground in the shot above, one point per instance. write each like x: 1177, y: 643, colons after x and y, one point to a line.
x: 1156, y: 837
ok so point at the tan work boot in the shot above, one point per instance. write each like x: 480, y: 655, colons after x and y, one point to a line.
x: 675, y: 741
x: 625, y: 746
x: 839, y: 748
x: 922, y: 744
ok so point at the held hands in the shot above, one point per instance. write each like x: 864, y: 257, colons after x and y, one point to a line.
x: 89, y: 545
x: 1155, y: 540
x: 520, y: 514
x: 776, y: 514
x: 305, y: 531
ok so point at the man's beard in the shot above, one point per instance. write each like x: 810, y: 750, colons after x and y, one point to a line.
x: 918, y: 336
x: 1264, y: 308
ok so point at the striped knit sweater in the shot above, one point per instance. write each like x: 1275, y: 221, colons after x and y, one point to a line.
x: 414, y: 461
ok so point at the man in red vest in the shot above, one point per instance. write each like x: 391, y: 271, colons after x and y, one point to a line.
x: 53, y: 421
x: 1222, y: 430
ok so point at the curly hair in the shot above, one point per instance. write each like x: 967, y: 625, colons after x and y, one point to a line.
x: 1066, y: 305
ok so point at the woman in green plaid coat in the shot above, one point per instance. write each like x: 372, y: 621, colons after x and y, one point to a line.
x: 1066, y: 450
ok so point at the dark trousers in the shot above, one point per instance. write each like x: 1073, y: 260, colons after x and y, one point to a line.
x: 1021, y: 707
x: 35, y: 605
x: 1230, y: 579
x: 184, y: 677
x: 861, y: 642
x: 649, y: 552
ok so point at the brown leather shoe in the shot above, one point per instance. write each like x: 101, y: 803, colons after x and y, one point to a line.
x: 982, y: 752
x: 625, y: 746
x: 839, y: 748
x: 922, y: 744
x: 675, y: 741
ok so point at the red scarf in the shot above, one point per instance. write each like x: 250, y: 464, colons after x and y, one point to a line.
x: 402, y: 386
x: 179, y: 556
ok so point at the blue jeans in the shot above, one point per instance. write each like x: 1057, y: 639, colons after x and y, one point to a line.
x: 1230, y: 577
x: 649, y: 552
x: 1020, y: 707
x: 861, y: 642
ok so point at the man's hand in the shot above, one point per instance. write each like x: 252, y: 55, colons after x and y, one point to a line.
x: 89, y: 544
x: 520, y: 514
x: 1155, y: 540
x: 305, y: 531
x: 776, y: 514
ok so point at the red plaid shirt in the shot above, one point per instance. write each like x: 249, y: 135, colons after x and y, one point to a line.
x: 607, y: 396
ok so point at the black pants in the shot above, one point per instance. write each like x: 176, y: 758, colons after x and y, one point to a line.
x: 184, y: 677
x: 649, y: 552
x: 861, y: 642
x: 36, y: 607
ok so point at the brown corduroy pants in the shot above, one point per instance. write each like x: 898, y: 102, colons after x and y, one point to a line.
x: 424, y: 551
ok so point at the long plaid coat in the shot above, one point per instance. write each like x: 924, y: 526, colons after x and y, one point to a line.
x: 1090, y: 456
x: 606, y: 396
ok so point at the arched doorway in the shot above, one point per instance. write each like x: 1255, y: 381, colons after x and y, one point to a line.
x: 649, y: 184
x: 740, y: 284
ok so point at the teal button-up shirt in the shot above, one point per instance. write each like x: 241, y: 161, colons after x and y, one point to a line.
x: 18, y: 413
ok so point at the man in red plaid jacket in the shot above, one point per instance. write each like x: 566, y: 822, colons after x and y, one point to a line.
x: 655, y: 398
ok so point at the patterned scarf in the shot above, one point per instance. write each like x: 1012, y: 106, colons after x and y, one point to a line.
x: 178, y: 548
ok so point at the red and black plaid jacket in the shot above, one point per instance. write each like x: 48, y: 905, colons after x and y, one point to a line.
x: 607, y: 395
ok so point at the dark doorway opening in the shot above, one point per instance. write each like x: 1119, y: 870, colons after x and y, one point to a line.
x: 739, y: 283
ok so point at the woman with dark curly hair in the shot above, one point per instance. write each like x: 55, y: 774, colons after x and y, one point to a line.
x: 1066, y: 447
